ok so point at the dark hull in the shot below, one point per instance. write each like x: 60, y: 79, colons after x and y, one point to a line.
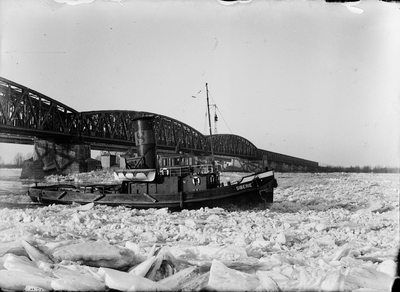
x: 240, y: 193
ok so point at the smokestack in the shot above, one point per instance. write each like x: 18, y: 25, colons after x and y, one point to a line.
x: 145, y: 141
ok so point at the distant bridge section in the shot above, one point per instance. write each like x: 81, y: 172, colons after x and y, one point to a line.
x: 287, y: 161
x: 26, y: 114
x: 234, y: 145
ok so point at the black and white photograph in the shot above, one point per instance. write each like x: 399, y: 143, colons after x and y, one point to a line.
x: 213, y: 145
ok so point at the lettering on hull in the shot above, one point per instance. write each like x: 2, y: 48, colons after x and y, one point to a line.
x: 243, y: 187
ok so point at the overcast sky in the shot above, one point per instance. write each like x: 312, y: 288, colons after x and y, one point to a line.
x: 308, y: 79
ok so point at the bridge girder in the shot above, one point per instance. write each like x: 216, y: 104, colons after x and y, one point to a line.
x: 25, y: 114
x: 114, y: 125
x: 26, y: 111
x: 234, y: 145
x: 170, y: 134
x: 173, y: 134
x: 286, y: 159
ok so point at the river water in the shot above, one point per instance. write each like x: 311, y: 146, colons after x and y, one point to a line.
x: 13, y: 189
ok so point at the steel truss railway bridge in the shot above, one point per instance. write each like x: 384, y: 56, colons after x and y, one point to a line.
x: 26, y: 115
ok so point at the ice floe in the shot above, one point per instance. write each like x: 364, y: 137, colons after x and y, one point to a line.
x: 325, y: 232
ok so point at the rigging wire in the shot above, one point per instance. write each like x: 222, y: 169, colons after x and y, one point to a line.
x: 179, y: 106
x: 215, y: 104
x: 205, y: 123
x: 186, y: 102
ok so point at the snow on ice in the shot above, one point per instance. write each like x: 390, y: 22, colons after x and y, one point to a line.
x: 329, y: 232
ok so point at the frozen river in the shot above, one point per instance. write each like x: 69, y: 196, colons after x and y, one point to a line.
x: 13, y: 189
x: 324, y: 232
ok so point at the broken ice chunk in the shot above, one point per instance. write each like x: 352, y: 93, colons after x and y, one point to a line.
x: 97, y: 254
x: 34, y: 253
x: 369, y: 278
x: 388, y: 267
x: 223, y: 278
x: 340, y: 252
x: 123, y: 281
x: 18, y: 280
x: 267, y: 282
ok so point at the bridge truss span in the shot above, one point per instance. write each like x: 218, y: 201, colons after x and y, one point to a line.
x: 174, y: 135
x: 26, y: 114
x: 286, y: 159
x: 24, y: 111
x: 113, y: 127
x: 228, y: 144
x: 117, y: 126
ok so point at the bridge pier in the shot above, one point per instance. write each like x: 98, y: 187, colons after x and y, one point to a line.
x: 50, y: 157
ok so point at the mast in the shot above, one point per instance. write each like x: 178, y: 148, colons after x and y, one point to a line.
x: 209, y: 124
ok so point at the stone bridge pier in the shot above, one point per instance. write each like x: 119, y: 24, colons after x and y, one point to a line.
x: 51, y: 157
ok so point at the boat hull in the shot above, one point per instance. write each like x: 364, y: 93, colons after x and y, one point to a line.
x: 251, y: 189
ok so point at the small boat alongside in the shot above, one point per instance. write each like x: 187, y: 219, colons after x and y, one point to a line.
x: 143, y: 184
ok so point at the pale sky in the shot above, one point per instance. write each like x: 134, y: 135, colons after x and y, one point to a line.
x: 314, y: 80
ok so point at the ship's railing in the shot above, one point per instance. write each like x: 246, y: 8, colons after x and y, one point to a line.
x: 187, y: 169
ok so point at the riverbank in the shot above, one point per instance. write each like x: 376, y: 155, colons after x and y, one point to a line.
x: 324, y: 231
